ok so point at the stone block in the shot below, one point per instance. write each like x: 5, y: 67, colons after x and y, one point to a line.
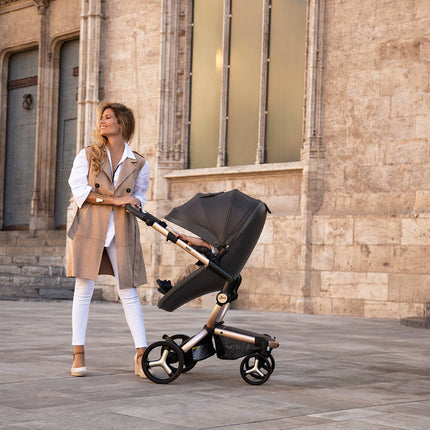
x: 5, y: 280
x: 282, y: 256
x: 256, y: 260
x: 338, y: 231
x: 383, y: 179
x: 422, y: 126
x: 52, y: 260
x: 5, y: 260
x: 367, y: 155
x: 168, y: 256
x: 8, y: 237
x: 269, y: 302
x: 406, y: 104
x: 381, y: 309
x: 377, y: 258
x: 398, y: 51
x: 47, y: 271
x: 283, y: 205
x: 416, y: 231
x: 347, y: 258
x: 412, y: 309
x: 288, y: 230
x: 425, y: 48
x: 422, y: 201
x: 25, y: 259
x: 411, y: 151
x: 56, y: 293
x: 323, y: 257
x: 262, y: 281
x: 338, y: 306
x: 318, y: 227
x: 375, y: 203
x: 10, y: 269
x: 419, y: 177
x: 36, y: 281
x: 267, y: 234
x: 409, y: 288
x: 377, y: 230
x: 412, y: 259
x: 422, y: 9
x: 354, y: 285
x: 21, y: 292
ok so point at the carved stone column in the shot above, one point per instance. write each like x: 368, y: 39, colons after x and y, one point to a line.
x: 88, y: 86
x: 312, y: 149
x: 89, y: 70
x: 41, y: 215
x: 176, y: 56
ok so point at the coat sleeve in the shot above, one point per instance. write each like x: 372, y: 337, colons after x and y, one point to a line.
x: 142, y: 184
x: 78, y: 179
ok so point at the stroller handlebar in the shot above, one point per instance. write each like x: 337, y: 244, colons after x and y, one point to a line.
x: 145, y: 216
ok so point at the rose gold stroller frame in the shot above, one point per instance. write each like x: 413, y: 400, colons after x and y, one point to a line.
x: 165, y: 360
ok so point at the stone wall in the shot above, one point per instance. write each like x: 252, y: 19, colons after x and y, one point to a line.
x: 371, y: 236
x: 359, y: 245
x: 350, y: 223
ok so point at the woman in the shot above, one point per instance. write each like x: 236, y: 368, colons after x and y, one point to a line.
x: 105, y: 177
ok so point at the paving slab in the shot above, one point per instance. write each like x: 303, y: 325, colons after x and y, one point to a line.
x: 331, y: 373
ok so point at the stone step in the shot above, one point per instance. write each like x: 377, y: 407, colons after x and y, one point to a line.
x: 35, y: 287
x: 32, y: 265
x: 33, y: 238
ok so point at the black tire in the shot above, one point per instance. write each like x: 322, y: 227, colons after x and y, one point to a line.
x: 162, y: 362
x: 255, y: 369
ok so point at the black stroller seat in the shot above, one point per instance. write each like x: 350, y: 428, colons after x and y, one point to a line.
x: 238, y: 228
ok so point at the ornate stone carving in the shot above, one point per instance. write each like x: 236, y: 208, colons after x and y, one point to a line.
x: 174, y: 110
x: 5, y: 2
x: 41, y: 5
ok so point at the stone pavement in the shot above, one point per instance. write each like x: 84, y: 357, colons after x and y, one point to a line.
x: 331, y: 373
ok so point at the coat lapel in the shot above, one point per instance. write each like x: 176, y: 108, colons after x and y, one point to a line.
x: 106, y: 169
x: 127, y: 168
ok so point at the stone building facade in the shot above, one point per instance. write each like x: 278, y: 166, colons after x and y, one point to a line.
x: 349, y: 226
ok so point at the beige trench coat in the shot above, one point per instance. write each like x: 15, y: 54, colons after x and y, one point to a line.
x: 86, y: 257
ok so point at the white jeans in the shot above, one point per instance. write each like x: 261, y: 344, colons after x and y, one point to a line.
x: 84, y: 289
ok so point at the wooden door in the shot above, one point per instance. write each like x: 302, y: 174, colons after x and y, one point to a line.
x: 67, y: 121
x: 20, y: 139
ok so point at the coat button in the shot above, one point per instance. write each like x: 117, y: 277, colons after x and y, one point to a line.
x: 128, y: 190
x: 97, y: 185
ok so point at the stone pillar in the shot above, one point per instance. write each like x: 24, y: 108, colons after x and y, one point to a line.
x: 88, y: 86
x: 89, y: 69
x: 312, y: 149
x: 42, y: 214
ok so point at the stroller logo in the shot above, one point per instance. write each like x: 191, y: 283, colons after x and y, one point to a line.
x: 222, y: 298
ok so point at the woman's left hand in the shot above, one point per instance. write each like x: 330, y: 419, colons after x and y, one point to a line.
x: 136, y: 203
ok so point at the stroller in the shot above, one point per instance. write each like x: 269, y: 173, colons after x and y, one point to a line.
x: 232, y: 223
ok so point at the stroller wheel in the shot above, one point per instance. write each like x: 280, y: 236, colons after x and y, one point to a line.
x: 181, y: 339
x: 255, y: 369
x: 162, y: 362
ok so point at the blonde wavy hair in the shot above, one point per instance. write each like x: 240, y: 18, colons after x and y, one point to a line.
x: 125, y: 118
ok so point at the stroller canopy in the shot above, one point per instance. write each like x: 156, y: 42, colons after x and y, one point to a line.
x: 229, y: 220
x: 217, y: 218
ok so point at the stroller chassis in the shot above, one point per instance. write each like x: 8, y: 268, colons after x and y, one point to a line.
x: 163, y: 361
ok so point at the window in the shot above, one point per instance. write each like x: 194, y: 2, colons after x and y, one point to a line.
x: 246, y: 82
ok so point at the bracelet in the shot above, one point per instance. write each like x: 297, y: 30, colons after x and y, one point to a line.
x: 99, y: 200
